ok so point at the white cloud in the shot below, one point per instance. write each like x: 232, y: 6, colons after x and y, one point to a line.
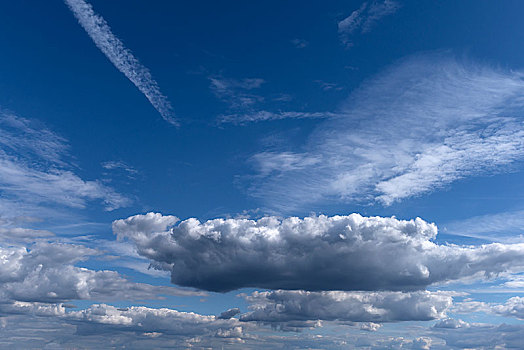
x: 513, y: 307
x: 121, y: 57
x: 34, y: 172
x: 424, y: 123
x: 364, y: 19
x: 263, y: 115
x: 102, y: 319
x: 45, y: 272
x: 282, y: 306
x: 315, y: 253
x: 499, y: 227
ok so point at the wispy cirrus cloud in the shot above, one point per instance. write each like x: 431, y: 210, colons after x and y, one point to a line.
x: 245, y: 106
x: 364, y: 19
x: 35, y: 173
x: 426, y: 122
x: 121, y: 57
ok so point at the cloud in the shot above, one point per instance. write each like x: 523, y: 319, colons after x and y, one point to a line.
x: 34, y: 171
x: 263, y: 115
x: 300, y: 43
x: 46, y: 273
x: 424, y: 123
x: 121, y: 57
x: 236, y: 93
x: 513, y: 307
x: 499, y: 227
x: 480, y: 336
x: 364, y: 19
x: 106, y: 320
x: 112, y: 165
x: 315, y: 253
x: 282, y: 306
x: 244, y: 105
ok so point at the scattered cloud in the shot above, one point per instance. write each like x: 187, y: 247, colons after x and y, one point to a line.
x: 236, y: 93
x: 34, y: 172
x: 513, y: 307
x: 364, y: 19
x: 329, y: 86
x: 424, y: 123
x: 121, y: 57
x: 300, y: 43
x: 315, y: 253
x: 112, y: 165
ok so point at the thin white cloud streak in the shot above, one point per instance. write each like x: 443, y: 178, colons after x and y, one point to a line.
x: 263, y: 115
x: 121, y: 57
x: 422, y: 124
x: 364, y: 19
x: 499, y: 227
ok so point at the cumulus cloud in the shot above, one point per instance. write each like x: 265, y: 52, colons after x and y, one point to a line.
x: 121, y: 57
x: 315, y: 253
x: 282, y: 306
x: 425, y: 122
x: 364, y: 19
x: 45, y: 273
x: 513, y: 307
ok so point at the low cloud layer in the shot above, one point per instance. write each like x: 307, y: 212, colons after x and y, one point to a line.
x: 315, y: 253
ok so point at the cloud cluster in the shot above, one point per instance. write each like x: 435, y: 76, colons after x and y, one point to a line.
x: 121, y: 57
x: 425, y: 122
x: 45, y: 273
x: 372, y: 307
x: 315, y: 253
x: 102, y: 319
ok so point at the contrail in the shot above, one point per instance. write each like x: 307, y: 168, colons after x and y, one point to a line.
x: 121, y: 57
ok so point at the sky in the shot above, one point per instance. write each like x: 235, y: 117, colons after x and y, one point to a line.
x: 261, y: 174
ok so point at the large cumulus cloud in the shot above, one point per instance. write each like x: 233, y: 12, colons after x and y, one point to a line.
x: 315, y: 253
x: 285, y: 306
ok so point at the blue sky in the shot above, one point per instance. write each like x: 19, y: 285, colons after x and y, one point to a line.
x: 263, y: 174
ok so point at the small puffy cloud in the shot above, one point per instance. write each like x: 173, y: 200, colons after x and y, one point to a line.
x: 371, y: 307
x: 226, y: 315
x: 315, y: 253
